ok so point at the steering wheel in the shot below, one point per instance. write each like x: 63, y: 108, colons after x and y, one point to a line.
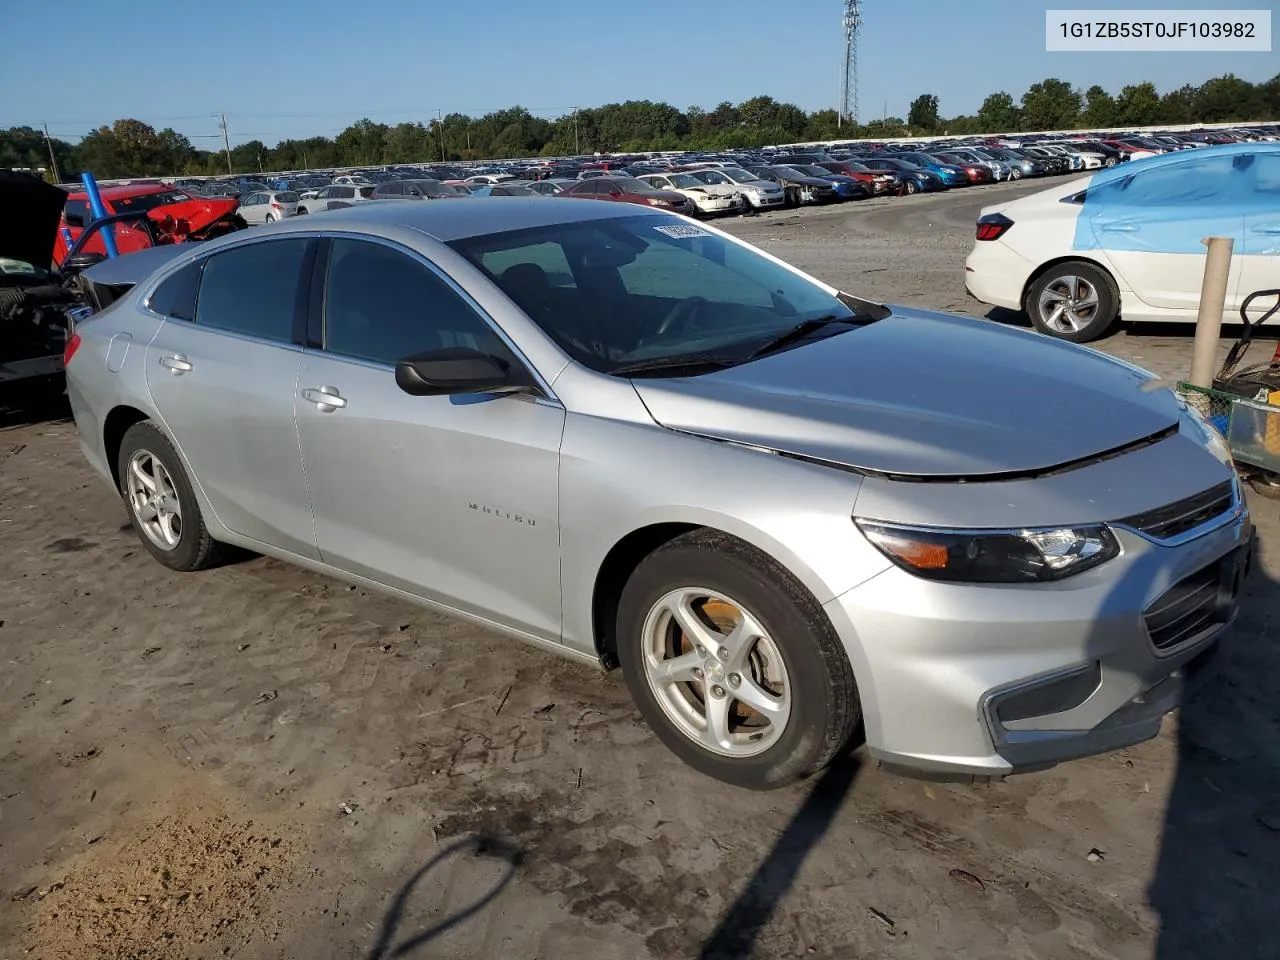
x: 681, y: 315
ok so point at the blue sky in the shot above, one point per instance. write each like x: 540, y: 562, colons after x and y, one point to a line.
x: 291, y: 68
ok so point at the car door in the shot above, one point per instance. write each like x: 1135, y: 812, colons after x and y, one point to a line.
x: 222, y: 371
x: 252, y: 207
x: 453, y: 499
x: 1150, y: 224
x: 1260, y: 255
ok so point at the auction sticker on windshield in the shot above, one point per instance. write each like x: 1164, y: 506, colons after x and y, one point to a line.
x: 681, y: 231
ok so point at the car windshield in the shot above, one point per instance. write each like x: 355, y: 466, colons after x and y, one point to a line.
x: 632, y: 185
x: 637, y: 289
x: 739, y: 176
x: 286, y: 196
x: 149, y: 201
x: 813, y: 170
x: 855, y: 167
x: 684, y: 181
x: 711, y: 176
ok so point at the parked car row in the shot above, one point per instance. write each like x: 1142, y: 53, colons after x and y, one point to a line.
x: 1127, y: 241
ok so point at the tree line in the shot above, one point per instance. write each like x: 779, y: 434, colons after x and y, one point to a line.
x: 131, y: 148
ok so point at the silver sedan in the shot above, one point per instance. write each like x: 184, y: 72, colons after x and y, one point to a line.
x: 628, y: 438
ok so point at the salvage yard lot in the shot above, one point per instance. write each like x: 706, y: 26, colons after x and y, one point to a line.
x: 260, y: 762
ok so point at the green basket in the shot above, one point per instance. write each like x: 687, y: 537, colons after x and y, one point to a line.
x: 1251, y: 427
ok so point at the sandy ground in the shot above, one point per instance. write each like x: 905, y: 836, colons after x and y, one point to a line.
x: 257, y: 762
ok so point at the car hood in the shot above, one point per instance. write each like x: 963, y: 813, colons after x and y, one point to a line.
x: 30, y: 211
x: 923, y: 394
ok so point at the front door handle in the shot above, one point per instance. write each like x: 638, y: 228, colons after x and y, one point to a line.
x: 176, y: 364
x: 1273, y: 229
x: 1120, y: 228
x: 326, y: 398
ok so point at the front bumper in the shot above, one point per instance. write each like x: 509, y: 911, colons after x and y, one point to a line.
x: 988, y: 680
x: 766, y: 200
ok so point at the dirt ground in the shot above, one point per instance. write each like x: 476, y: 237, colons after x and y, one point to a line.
x: 257, y: 762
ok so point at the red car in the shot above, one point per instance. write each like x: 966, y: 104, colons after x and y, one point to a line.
x: 974, y: 171
x: 877, y: 180
x: 631, y: 190
x: 175, y: 216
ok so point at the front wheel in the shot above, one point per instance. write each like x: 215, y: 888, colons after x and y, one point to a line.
x: 733, y: 664
x: 1015, y: 173
x: 1074, y: 300
x: 911, y: 187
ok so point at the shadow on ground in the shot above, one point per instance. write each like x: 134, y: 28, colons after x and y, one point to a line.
x: 391, y: 942
x: 1216, y: 886
x: 25, y: 402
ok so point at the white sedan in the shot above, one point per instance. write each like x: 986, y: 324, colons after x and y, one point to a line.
x: 707, y: 197
x: 1127, y: 241
x: 761, y: 194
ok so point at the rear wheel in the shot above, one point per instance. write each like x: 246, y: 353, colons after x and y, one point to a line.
x: 269, y: 219
x: 1075, y: 301
x: 162, y: 506
x: 301, y: 211
x: 733, y: 664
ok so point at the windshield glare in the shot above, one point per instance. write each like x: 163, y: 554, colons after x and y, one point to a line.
x: 712, y: 177
x: 739, y: 176
x: 630, y: 289
x: 684, y: 182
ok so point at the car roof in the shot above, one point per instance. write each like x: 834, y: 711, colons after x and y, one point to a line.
x: 128, y: 190
x: 455, y: 221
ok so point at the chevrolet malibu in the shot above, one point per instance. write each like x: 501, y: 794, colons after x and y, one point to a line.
x: 787, y: 513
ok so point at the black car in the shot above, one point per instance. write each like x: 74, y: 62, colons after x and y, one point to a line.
x: 800, y: 188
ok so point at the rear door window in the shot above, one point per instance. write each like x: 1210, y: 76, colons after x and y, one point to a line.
x: 253, y: 289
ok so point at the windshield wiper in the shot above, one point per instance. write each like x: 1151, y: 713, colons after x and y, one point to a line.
x: 801, y: 330
x: 692, y: 362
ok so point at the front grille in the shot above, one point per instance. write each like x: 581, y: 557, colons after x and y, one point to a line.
x: 1191, y: 605
x: 1187, y: 514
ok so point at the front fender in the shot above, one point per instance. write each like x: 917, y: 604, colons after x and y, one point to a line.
x: 617, y: 478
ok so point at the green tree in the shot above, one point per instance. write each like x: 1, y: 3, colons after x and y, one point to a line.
x: 923, y: 114
x: 1228, y: 98
x: 361, y: 143
x: 1050, y: 105
x: 998, y: 114
x: 1138, y: 105
x: 1099, y: 108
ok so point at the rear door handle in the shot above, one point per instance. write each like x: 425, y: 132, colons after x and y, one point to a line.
x: 176, y: 364
x: 326, y: 398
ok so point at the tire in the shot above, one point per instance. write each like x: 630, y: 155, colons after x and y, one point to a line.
x: 911, y: 187
x: 191, y: 547
x: 1015, y: 173
x: 269, y: 219
x: 301, y: 212
x: 1110, y: 162
x: 796, y: 658
x: 1266, y: 485
x: 1076, y: 323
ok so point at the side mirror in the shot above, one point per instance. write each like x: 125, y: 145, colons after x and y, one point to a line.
x: 73, y: 219
x: 457, y: 370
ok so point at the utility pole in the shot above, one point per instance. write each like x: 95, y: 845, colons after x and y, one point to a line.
x: 440, y: 120
x: 226, y: 142
x: 577, y: 147
x: 53, y: 161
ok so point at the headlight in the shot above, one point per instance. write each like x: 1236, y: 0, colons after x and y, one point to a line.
x: 658, y: 202
x: 992, y: 556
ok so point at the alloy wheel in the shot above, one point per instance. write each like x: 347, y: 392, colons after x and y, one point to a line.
x: 153, y: 499
x: 1068, y: 304
x: 715, y: 672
